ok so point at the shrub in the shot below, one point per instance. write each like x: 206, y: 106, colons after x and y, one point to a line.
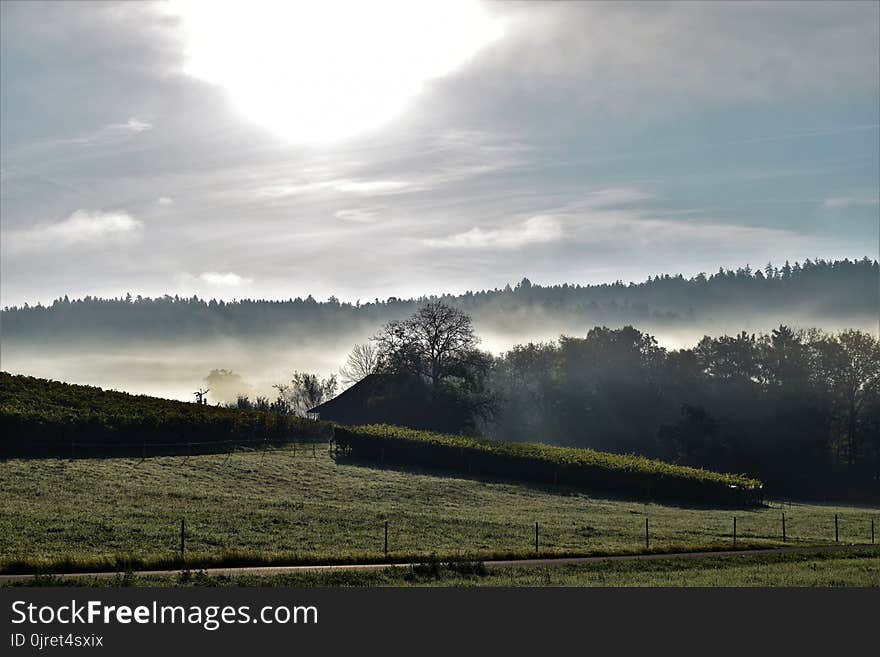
x: 626, y: 474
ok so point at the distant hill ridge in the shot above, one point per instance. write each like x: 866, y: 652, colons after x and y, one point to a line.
x: 842, y: 289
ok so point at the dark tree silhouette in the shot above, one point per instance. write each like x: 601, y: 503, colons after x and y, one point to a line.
x: 798, y: 409
x: 361, y: 362
x: 438, y: 343
x: 850, y: 363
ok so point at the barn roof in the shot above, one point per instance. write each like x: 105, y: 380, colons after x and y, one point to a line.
x: 352, y: 398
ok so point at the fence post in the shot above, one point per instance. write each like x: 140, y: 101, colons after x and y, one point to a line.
x: 386, y: 538
x: 836, y: 533
x: 536, y: 536
x: 734, y: 530
x: 182, y: 539
x: 314, y: 454
x: 647, y: 536
x: 784, y: 539
x: 872, y: 531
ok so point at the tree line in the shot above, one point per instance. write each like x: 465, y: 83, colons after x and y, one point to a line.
x: 798, y: 409
x: 844, y: 290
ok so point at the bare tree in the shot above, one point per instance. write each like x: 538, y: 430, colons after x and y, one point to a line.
x: 304, y: 391
x: 362, y: 361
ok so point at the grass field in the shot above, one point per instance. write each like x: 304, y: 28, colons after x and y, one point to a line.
x: 856, y: 567
x: 284, y: 507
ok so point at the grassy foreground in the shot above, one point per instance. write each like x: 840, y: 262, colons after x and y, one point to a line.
x: 287, y: 507
x: 856, y: 567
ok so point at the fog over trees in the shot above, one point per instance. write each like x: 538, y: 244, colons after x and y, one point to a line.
x: 779, y: 376
x: 841, y: 292
x: 798, y: 409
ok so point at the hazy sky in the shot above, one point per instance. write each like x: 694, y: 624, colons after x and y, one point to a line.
x: 371, y: 149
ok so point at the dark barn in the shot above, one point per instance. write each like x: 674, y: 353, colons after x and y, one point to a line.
x: 399, y: 399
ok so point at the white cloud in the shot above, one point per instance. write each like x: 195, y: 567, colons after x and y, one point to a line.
x: 280, y: 191
x: 629, y: 230
x: 223, y: 279
x: 356, y: 214
x: 165, y: 200
x: 598, y: 209
x: 536, y: 230
x: 614, y: 196
x: 132, y: 125
x: 370, y: 186
x: 113, y: 132
x: 849, y: 201
x: 83, y: 227
x: 363, y: 187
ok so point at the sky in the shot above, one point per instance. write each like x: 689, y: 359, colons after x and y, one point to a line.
x: 363, y: 150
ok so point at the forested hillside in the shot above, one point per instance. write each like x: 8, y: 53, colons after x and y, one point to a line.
x: 843, y: 292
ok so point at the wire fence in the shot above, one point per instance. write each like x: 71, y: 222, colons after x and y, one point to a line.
x: 398, y: 539
x: 397, y: 536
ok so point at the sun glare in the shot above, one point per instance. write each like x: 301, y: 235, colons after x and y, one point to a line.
x: 316, y: 72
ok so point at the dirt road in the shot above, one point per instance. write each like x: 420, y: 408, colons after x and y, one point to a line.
x: 511, y: 563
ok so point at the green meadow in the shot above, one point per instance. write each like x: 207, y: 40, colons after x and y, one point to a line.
x: 300, y: 506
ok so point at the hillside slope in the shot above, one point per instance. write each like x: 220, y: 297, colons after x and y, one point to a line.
x: 38, y: 416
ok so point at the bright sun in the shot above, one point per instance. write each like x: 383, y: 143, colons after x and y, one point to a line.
x: 316, y: 71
